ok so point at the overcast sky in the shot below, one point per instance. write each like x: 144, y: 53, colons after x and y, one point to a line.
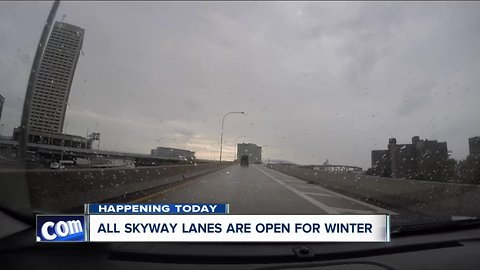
x: 318, y: 80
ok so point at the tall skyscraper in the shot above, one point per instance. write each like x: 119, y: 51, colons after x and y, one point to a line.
x: 54, y: 79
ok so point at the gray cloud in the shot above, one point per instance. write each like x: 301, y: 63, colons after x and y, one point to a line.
x: 318, y: 80
x: 415, y: 100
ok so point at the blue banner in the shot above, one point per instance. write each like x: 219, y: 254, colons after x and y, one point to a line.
x: 61, y: 228
x: 156, y: 209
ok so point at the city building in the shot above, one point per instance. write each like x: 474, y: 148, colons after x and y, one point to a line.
x: 422, y: 160
x: 51, y: 90
x: 468, y: 170
x: 280, y: 161
x: 2, y: 100
x: 58, y: 139
x: 402, y: 158
x: 173, y: 153
x: 381, y: 163
x: 54, y: 78
x: 474, y: 145
x: 327, y: 167
x: 253, y: 151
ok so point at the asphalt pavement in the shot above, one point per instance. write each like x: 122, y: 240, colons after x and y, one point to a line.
x: 259, y: 190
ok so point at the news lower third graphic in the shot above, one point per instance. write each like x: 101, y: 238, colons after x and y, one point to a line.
x: 156, y: 209
x: 60, y: 228
x: 205, y: 223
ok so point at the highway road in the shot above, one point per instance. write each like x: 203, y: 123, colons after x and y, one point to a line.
x: 259, y: 190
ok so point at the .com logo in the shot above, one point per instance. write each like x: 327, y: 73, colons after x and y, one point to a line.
x: 60, y: 228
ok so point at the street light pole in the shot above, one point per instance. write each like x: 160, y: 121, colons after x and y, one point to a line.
x: 236, y: 146
x: 263, y: 154
x: 221, y: 136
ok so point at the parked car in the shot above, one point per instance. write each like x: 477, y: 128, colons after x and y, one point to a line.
x: 57, y: 166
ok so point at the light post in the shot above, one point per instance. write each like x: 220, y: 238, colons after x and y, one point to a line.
x: 221, y: 136
x: 263, y: 152
x: 63, y: 150
x: 236, y: 146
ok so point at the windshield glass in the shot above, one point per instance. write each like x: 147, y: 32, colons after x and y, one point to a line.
x: 272, y: 107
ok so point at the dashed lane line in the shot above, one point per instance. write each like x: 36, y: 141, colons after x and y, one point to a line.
x: 318, y: 204
x: 376, y: 208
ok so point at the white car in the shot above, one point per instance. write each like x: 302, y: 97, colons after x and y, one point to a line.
x: 56, y: 165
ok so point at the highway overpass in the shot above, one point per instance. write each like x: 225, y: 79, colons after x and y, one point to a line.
x: 55, y: 152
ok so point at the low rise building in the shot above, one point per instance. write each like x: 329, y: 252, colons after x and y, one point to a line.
x: 422, y: 159
x: 58, y: 139
x: 474, y: 145
x: 173, y: 153
x: 253, y: 151
x: 381, y: 163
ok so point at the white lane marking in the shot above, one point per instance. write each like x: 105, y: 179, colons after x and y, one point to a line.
x: 379, y: 209
x: 318, y: 194
x: 310, y: 189
x: 290, y: 180
x: 318, y: 204
x: 343, y: 210
x: 354, y: 211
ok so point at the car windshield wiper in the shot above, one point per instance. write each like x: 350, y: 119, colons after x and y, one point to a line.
x: 421, y: 228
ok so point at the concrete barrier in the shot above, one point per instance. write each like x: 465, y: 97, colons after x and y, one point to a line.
x: 424, y: 197
x: 60, y: 190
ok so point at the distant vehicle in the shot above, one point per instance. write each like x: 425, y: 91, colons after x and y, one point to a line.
x: 67, y: 162
x: 56, y: 166
x: 244, y: 161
